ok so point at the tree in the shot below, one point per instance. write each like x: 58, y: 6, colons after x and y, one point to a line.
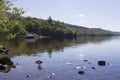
x: 30, y: 27
x: 50, y: 20
x: 8, y: 18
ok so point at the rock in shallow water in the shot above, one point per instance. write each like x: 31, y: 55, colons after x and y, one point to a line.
x: 101, y: 63
x: 53, y: 73
x: 81, y: 72
x: 39, y: 62
x: 69, y: 62
x: 77, y: 67
x: 29, y: 76
x: 93, y: 67
x: 2, y: 67
x: 80, y: 67
x: 85, y: 60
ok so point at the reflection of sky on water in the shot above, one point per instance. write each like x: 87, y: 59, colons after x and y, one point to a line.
x: 56, y: 61
x: 30, y: 40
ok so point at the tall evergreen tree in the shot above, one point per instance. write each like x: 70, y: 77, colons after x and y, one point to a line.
x: 50, y: 20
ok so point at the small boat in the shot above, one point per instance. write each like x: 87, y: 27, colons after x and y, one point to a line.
x: 29, y: 36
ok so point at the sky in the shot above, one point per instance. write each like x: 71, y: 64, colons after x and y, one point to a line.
x: 103, y: 14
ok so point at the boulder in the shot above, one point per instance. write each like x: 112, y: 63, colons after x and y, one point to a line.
x: 101, y: 63
x: 81, y: 72
x: 39, y: 62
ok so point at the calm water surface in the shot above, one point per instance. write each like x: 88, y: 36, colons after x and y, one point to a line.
x: 63, y: 59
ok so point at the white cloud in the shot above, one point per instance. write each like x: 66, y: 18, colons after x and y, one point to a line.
x: 81, y: 15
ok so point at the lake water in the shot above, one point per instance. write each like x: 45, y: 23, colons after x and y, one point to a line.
x: 63, y: 59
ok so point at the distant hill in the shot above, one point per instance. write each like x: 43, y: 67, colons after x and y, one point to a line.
x: 57, y: 29
x: 92, y: 31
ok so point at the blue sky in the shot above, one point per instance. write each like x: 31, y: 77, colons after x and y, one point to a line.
x: 89, y: 13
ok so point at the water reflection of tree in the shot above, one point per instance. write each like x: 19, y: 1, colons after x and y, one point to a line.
x: 20, y: 46
x: 84, y: 40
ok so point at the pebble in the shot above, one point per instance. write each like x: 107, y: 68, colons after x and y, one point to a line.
x: 81, y: 72
x: 109, y: 64
x: 80, y: 67
x: 14, y: 66
x: 17, y: 63
x: 53, y: 73
x: 77, y: 67
x: 89, y: 62
x: 48, y: 76
x: 83, y: 67
x: 101, y: 63
x: 39, y: 62
x: 93, y: 67
x: 68, y: 62
x: 29, y: 76
x: 85, y: 60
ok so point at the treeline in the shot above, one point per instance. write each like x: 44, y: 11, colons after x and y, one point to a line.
x: 13, y: 24
x: 56, y: 29
x: 84, y: 31
x: 49, y: 28
x: 59, y: 29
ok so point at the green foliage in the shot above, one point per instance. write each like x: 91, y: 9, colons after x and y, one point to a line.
x: 83, y: 31
x: 20, y: 46
x: 49, y: 28
x: 8, y: 19
x: 57, y: 29
x: 12, y: 24
x: 50, y: 20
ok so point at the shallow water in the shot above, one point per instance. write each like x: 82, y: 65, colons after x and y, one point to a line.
x: 63, y: 59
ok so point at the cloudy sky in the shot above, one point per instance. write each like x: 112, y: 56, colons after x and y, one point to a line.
x: 90, y: 13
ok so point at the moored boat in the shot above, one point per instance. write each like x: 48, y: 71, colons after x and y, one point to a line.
x: 29, y: 36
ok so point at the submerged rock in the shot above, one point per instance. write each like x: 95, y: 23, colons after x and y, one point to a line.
x: 6, y: 64
x: 6, y: 61
x: 83, y: 67
x: 17, y: 63
x: 5, y: 69
x: 14, y: 66
x: 89, y: 62
x: 77, y: 67
x: 29, y: 76
x: 48, y: 76
x: 53, y: 73
x: 81, y: 72
x: 2, y: 67
x: 101, y: 63
x: 93, y: 67
x: 69, y: 62
x: 109, y: 64
x: 80, y: 67
x: 6, y: 52
x: 85, y: 60
x: 3, y: 50
x: 39, y: 62
x: 10, y: 63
